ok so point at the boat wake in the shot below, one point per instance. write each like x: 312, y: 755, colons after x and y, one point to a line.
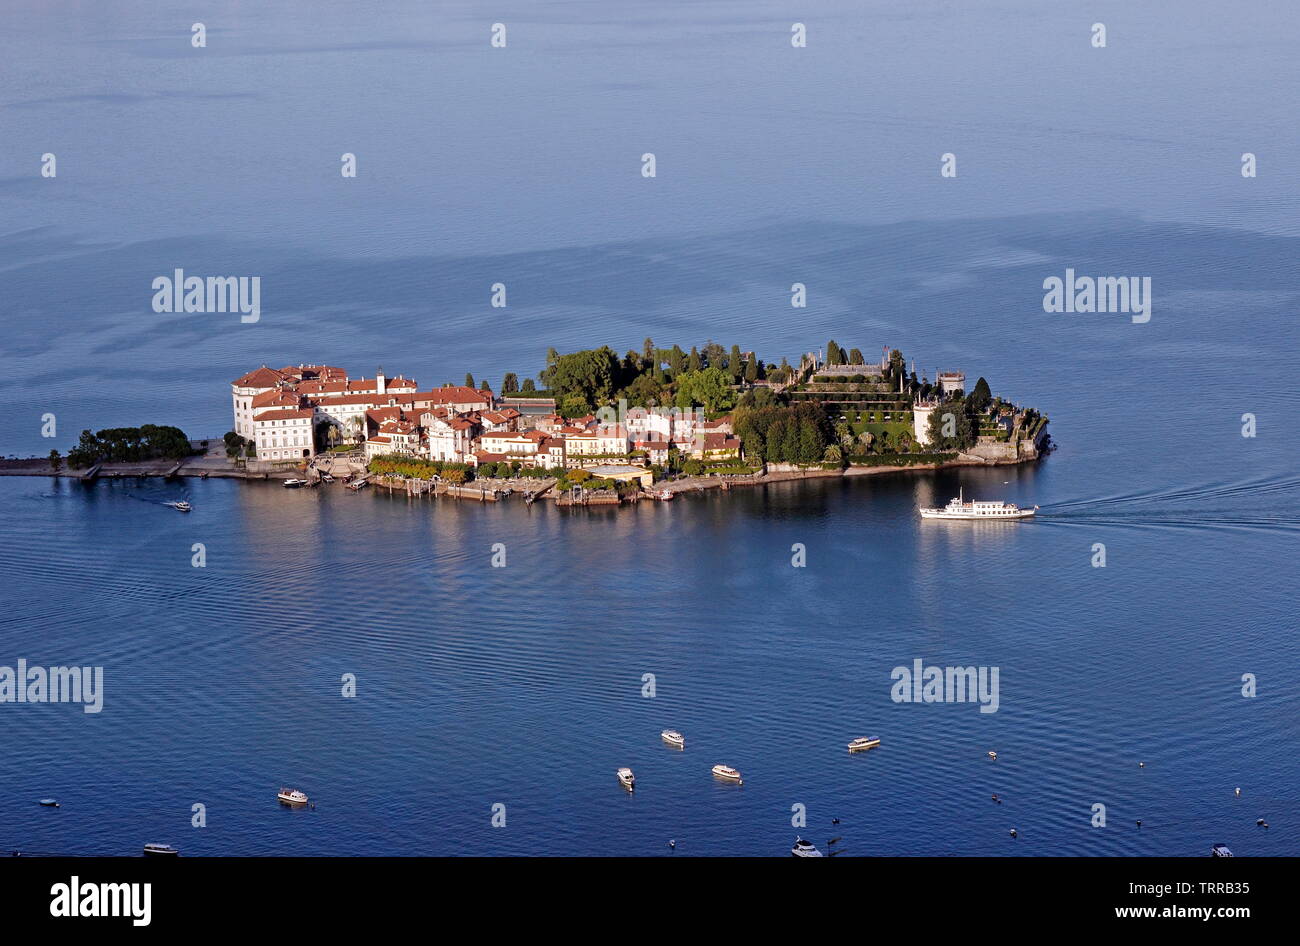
x: 1235, y: 506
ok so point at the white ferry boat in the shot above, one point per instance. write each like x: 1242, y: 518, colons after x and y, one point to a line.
x: 626, y: 778
x: 291, y: 796
x: 864, y: 742
x: 804, y: 848
x: 673, y: 738
x: 960, y: 509
x: 728, y: 773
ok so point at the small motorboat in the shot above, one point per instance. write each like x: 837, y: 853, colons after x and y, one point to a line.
x: 160, y: 850
x: 993, y: 755
x: 292, y: 796
x: 626, y: 778
x: 1220, y: 850
x: 327, y: 477
x: 673, y: 738
x: 728, y: 773
x: 359, y: 484
x: 182, y: 506
x: 294, y: 484
x: 49, y: 803
x: 804, y: 848
x: 864, y: 742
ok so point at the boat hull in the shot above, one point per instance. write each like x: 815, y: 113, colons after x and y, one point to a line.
x: 971, y: 517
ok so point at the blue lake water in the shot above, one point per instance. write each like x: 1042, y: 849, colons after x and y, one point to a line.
x: 522, y: 685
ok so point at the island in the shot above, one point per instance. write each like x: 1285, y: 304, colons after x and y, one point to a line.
x: 593, y: 428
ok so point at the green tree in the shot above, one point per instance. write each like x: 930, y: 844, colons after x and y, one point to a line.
x: 694, y: 363
x: 642, y: 391
x: 510, y: 383
x: 980, y: 397
x: 529, y: 386
x: 56, y: 460
x: 811, y: 446
x: 855, y: 357
x: 710, y: 388
x: 757, y: 398
x: 832, y: 353
x: 648, y: 353
x: 469, y: 380
x: 751, y: 370
x: 592, y: 373
x: 950, y: 427
x: 776, y: 438
x: 574, y: 405
x: 735, y: 365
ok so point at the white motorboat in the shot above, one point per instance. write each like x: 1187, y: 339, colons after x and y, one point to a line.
x: 673, y: 738
x: 292, y: 796
x: 804, y: 848
x: 160, y: 850
x: 728, y: 773
x: 1220, y: 850
x: 294, y: 484
x: 978, y: 510
x: 626, y: 778
x: 864, y: 742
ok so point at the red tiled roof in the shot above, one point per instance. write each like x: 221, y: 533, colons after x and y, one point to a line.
x: 282, y: 415
x: 262, y: 377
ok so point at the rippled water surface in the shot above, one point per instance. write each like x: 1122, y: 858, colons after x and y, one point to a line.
x: 523, y: 685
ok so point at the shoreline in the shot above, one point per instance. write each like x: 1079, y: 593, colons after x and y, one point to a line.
x: 37, y: 466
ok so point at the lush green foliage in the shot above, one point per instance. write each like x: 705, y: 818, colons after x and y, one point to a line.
x: 129, y: 445
x: 419, y: 469
x: 796, y: 434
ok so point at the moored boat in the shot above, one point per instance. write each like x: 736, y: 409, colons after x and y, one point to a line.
x: 728, y: 773
x: 804, y: 848
x: 673, y: 738
x: 294, y: 484
x: 292, y: 796
x: 626, y: 778
x: 359, y: 484
x: 978, y: 510
x: 160, y: 850
x: 864, y: 742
